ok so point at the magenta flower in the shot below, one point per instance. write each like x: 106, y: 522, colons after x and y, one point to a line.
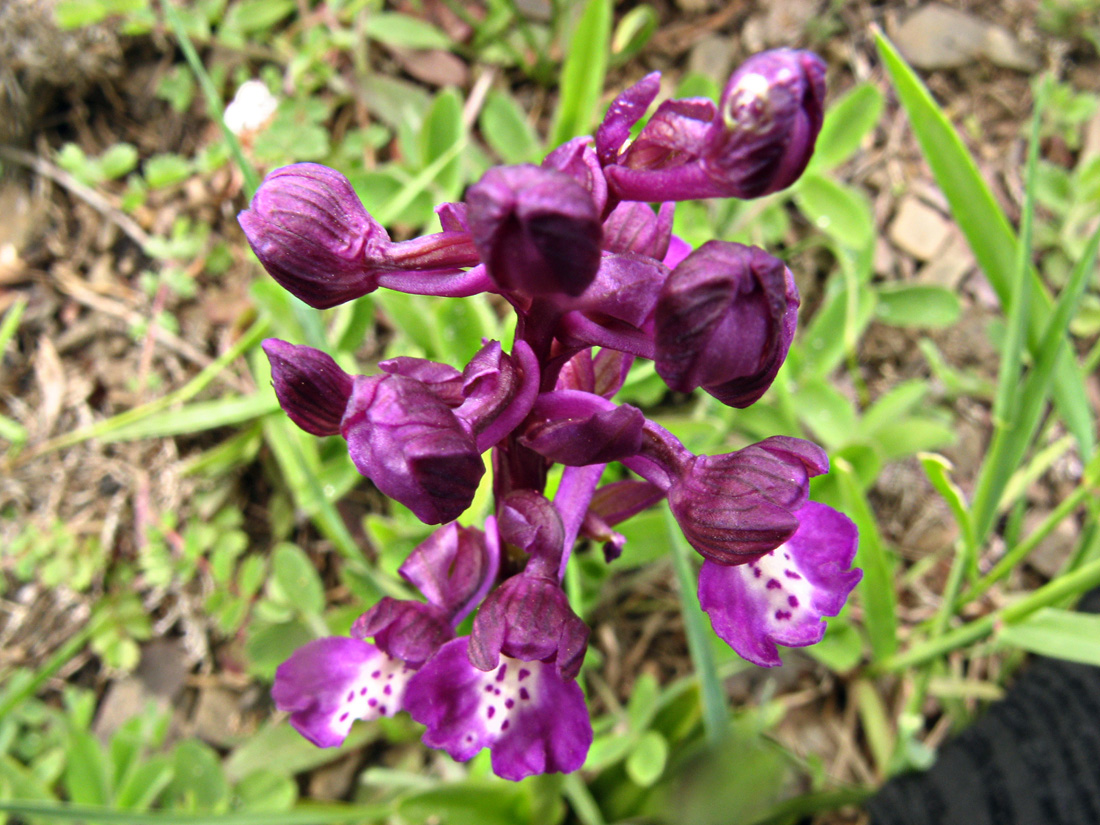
x: 780, y: 597
x: 596, y: 279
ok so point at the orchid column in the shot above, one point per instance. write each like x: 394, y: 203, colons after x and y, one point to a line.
x: 596, y: 280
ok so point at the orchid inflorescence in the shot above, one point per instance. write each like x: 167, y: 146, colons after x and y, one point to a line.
x: 596, y: 279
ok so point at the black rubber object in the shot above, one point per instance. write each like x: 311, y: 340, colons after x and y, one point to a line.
x: 1032, y: 759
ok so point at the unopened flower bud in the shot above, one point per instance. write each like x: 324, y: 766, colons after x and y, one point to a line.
x: 577, y: 159
x: 736, y: 507
x: 409, y: 443
x: 310, y: 386
x: 537, y: 230
x: 578, y: 428
x: 725, y: 321
x: 769, y: 117
x: 311, y: 233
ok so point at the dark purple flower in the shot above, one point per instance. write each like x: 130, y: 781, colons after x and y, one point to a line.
x: 577, y: 428
x: 311, y: 233
x: 577, y: 159
x: 537, y: 230
x: 312, y: 389
x: 403, y: 629
x: 455, y: 567
x: 328, y: 683
x: 780, y: 597
x: 444, y: 380
x: 758, y: 140
x: 725, y: 321
x: 769, y: 117
x: 734, y: 508
x: 634, y: 227
x: 498, y: 390
x: 531, y: 718
x: 624, y: 111
x: 411, y: 445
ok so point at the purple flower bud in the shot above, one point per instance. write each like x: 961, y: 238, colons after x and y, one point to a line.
x: 311, y: 233
x: 530, y: 522
x: 528, y: 618
x: 602, y: 374
x: 498, y: 390
x: 406, y: 630
x: 770, y: 115
x: 576, y: 429
x: 757, y: 141
x: 537, y: 230
x: 736, y: 507
x: 578, y: 159
x: 724, y: 322
x: 634, y: 227
x: 454, y: 567
x: 409, y: 443
x: 310, y: 386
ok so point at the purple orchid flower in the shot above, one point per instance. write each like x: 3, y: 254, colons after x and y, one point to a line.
x: 597, y: 280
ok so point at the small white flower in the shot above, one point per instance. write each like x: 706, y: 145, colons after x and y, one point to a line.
x: 252, y: 107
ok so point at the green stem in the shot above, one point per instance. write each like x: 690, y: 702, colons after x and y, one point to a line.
x: 715, y: 710
x: 584, y: 804
x: 1018, y: 553
x: 213, y: 99
x: 1071, y: 584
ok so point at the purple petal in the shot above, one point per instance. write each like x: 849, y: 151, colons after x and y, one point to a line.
x: 532, y: 719
x: 624, y: 111
x: 310, y: 386
x: 538, y: 230
x: 409, y: 443
x: 406, y: 630
x: 578, y: 159
x: 330, y: 682
x: 780, y: 597
x: 454, y: 567
x: 443, y: 380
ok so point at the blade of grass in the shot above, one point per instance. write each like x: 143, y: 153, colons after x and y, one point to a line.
x: 1007, y: 450
x: 876, y: 589
x: 986, y: 228
x: 715, y: 709
x: 1064, y: 587
x: 247, y: 341
x: 202, y: 415
x: 583, y: 74
x: 213, y: 99
x: 11, y: 323
x: 1009, y: 437
x: 302, y: 815
x: 419, y: 183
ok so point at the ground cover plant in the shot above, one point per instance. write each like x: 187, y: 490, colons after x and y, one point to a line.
x: 170, y: 538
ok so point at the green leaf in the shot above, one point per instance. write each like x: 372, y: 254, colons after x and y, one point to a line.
x: 1063, y: 634
x: 297, y: 579
x: 826, y: 411
x: 166, y: 170
x: 583, y: 73
x: 823, y: 345
x: 643, y: 702
x: 278, y: 747
x: 197, y: 417
x: 87, y: 774
x: 838, y: 210
x: 397, y: 29
x: 442, y: 130
x: 118, y: 160
x: 898, y: 401
x: 633, y: 32
x: 269, y: 646
x: 847, y: 122
x: 465, y: 802
x: 145, y: 784
x: 922, y: 306
x: 265, y: 790
x: 74, y: 14
x: 251, y: 16
x: 936, y: 467
x: 986, y: 228
x: 647, y: 759
x: 841, y: 649
x: 913, y: 434
x: 506, y: 129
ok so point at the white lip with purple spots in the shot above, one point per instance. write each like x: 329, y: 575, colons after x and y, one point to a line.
x: 379, y: 691
x: 503, y: 693
x: 785, y: 590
